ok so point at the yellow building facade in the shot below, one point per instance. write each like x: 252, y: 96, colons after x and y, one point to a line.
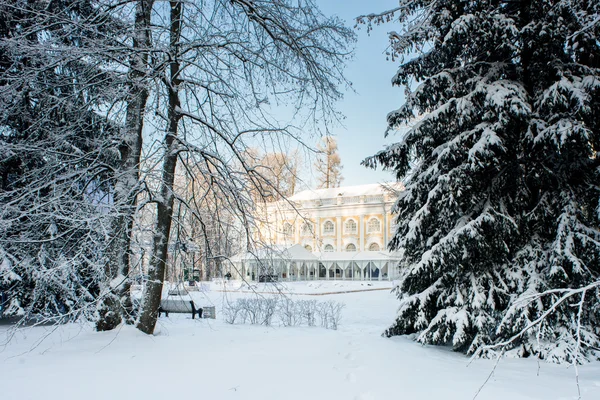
x: 347, y: 230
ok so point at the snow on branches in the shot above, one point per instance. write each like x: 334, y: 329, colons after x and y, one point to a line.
x: 499, y: 222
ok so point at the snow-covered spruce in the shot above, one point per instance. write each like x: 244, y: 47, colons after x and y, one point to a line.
x: 55, y: 158
x: 499, y: 220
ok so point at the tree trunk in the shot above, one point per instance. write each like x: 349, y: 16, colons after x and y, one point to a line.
x: 126, y: 189
x: 153, y: 291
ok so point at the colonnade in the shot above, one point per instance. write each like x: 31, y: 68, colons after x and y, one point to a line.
x: 306, y: 270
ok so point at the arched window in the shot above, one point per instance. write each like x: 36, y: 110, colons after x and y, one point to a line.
x: 374, y: 225
x: 374, y: 247
x: 306, y: 229
x: 308, y: 247
x: 350, y: 226
x: 328, y: 248
x: 351, y: 247
x: 328, y: 227
x: 288, y: 229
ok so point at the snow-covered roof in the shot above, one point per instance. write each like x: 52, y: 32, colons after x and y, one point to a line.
x: 291, y: 253
x: 345, y: 191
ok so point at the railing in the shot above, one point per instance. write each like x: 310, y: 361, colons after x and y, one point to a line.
x: 350, y: 200
x: 376, y: 198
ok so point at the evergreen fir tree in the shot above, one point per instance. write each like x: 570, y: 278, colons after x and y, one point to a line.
x: 56, y: 157
x: 499, y: 222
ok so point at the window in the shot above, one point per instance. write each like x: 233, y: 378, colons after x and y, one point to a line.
x: 328, y: 248
x: 288, y: 229
x: 374, y: 225
x: 374, y: 247
x: 351, y: 226
x: 351, y: 247
x: 306, y: 229
x: 308, y: 247
x: 328, y: 227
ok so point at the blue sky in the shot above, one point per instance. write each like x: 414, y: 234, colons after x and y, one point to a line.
x: 365, y: 110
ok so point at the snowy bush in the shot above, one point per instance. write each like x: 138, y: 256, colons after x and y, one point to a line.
x: 333, y: 312
x: 289, y: 312
x: 263, y: 311
x: 268, y: 308
x: 251, y: 309
x: 308, y: 311
x: 329, y: 313
x: 232, y: 311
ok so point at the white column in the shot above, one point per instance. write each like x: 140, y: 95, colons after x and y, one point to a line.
x: 361, y: 230
x: 317, y: 233
x: 385, y: 228
x: 332, y: 269
x: 338, y: 232
x: 359, y: 263
x: 318, y: 271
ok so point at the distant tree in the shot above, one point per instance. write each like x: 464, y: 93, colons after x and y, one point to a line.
x: 278, y: 171
x: 499, y: 222
x: 328, y: 164
x: 205, y: 219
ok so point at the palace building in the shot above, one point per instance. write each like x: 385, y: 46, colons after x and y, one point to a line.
x: 338, y: 233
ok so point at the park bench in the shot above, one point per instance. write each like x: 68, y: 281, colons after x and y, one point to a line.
x: 179, y: 305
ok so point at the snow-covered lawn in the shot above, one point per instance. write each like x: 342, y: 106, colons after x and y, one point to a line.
x: 209, y: 359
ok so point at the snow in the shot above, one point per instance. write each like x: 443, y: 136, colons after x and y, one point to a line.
x: 211, y: 359
x: 7, y: 275
x: 345, y: 191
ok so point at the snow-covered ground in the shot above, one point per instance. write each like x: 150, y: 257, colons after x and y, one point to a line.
x: 210, y: 359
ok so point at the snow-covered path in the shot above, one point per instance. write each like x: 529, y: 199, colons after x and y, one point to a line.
x: 210, y: 359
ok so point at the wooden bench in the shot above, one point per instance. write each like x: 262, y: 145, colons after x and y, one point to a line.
x: 179, y: 305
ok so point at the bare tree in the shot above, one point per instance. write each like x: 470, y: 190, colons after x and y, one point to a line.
x: 226, y: 61
x: 208, y: 223
x: 328, y: 164
x: 117, y: 302
x: 80, y: 81
x: 279, y: 170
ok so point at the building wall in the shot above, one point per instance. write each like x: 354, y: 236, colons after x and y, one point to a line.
x: 339, y: 211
